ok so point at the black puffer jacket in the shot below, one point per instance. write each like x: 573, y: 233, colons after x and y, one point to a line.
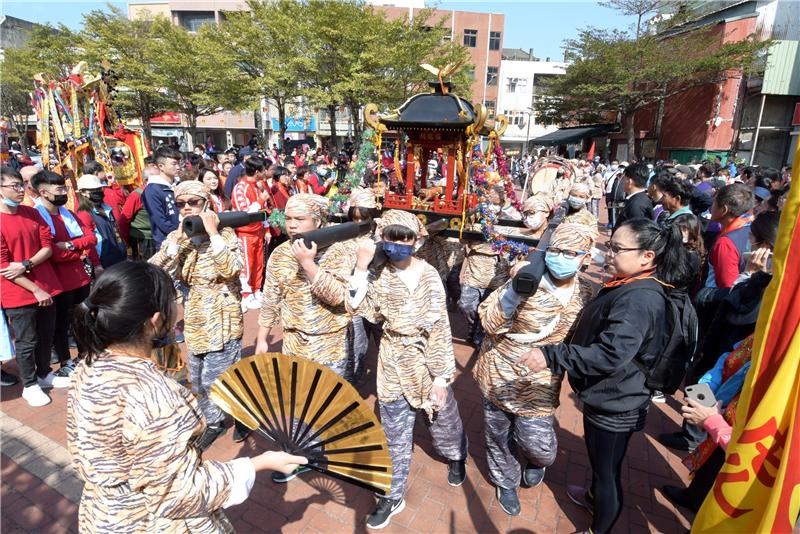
x: 621, y: 324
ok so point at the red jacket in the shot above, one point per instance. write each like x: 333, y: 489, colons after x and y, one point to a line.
x: 247, y: 197
x: 68, y: 264
x: 114, y: 196
x: 280, y: 194
x: 85, y: 219
x: 129, y: 210
x: 22, y: 235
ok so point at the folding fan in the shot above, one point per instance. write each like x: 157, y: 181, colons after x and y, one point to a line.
x: 308, y: 410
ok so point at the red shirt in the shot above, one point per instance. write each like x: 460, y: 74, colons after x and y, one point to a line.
x: 22, y: 235
x: 247, y: 197
x: 68, y: 264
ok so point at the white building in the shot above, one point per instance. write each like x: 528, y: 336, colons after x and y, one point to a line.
x: 521, y: 79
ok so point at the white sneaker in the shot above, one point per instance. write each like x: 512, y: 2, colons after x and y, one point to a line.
x: 53, y: 381
x: 254, y: 303
x: 658, y: 397
x: 246, y: 303
x: 35, y: 396
x: 259, y: 296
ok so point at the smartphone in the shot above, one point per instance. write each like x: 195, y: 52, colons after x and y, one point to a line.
x: 747, y: 255
x: 702, y: 394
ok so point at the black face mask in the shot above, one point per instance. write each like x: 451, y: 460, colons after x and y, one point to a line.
x: 161, y: 341
x: 58, y: 200
x: 97, y: 198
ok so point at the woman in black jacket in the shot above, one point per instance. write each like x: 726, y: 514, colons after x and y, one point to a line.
x: 620, y: 332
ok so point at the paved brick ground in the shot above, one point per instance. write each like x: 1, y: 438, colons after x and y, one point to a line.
x: 34, y: 440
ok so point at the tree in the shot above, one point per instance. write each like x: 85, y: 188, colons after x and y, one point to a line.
x: 196, y: 73
x: 48, y: 50
x: 263, y: 44
x: 611, y: 72
x: 112, y: 36
x: 638, y: 8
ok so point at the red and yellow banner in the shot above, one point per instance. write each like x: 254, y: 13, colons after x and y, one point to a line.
x: 758, y: 487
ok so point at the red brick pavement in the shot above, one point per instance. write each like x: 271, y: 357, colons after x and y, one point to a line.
x: 314, y: 503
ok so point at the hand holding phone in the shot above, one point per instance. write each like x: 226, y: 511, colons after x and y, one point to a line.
x: 702, y: 394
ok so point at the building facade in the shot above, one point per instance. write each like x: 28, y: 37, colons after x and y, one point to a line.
x: 521, y: 81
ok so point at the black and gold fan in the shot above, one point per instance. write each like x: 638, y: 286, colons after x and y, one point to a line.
x: 308, y: 410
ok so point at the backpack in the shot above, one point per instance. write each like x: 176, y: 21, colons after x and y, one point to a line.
x: 667, y: 371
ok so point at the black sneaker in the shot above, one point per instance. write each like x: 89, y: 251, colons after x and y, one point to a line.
x: 532, y: 476
x: 675, y: 440
x: 66, y: 368
x: 210, y: 435
x: 280, y: 478
x: 7, y: 379
x: 384, y: 511
x: 240, y: 432
x: 456, y: 472
x: 508, y: 500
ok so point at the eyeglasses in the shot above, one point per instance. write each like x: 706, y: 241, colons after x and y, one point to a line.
x: 569, y: 254
x: 616, y: 249
x: 15, y: 186
x: 195, y: 203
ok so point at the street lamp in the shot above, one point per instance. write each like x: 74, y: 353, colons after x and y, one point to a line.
x: 528, y: 113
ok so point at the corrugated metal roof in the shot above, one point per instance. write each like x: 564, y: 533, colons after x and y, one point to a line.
x: 782, y: 75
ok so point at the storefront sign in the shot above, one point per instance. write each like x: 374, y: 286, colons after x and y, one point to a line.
x: 297, y: 124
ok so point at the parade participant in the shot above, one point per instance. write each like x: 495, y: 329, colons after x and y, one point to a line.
x: 282, y: 182
x: 158, y: 198
x: 209, y: 266
x: 252, y: 237
x: 72, y: 241
x: 31, y: 198
x: 99, y: 217
x: 536, y: 211
x: 210, y: 178
x: 416, y: 363
x: 624, y: 324
x: 518, y: 404
x: 132, y: 432
x: 580, y: 196
x: 113, y: 195
x: 28, y: 284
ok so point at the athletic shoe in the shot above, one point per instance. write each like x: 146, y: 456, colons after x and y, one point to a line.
x: 658, y: 397
x: 675, y: 440
x: 532, y: 476
x: 383, y: 512
x: 456, y: 472
x: 508, y: 500
x: 7, y: 379
x: 280, y: 478
x: 246, y: 300
x: 54, y: 358
x: 210, y: 435
x: 258, y: 296
x: 255, y: 303
x: 66, y: 368
x: 35, y: 396
x: 580, y: 496
x: 53, y: 381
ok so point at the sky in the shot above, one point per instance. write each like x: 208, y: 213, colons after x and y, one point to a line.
x: 541, y: 25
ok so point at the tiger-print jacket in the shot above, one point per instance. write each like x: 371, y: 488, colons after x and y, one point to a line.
x: 484, y: 268
x: 213, y: 311
x: 582, y: 216
x: 313, y: 315
x: 130, y: 433
x: 540, y: 319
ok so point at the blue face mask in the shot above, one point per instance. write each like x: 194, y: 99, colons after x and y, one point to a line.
x: 561, y: 267
x: 576, y: 203
x: 397, y: 251
x: 10, y: 203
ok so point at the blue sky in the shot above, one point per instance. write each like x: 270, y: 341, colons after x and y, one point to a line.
x: 541, y: 25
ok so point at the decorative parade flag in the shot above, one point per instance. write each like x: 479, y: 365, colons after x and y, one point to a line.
x: 758, y: 488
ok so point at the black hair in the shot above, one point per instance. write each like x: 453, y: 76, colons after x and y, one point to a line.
x: 737, y: 197
x: 166, y: 152
x: 121, y: 302
x: 678, y: 188
x: 672, y: 260
x: 46, y: 177
x: 660, y: 179
x: 10, y: 172
x: 638, y: 173
x: 765, y: 227
x: 303, y: 170
x: 771, y: 173
x: 201, y: 147
x: 398, y: 232
x: 93, y: 167
x: 278, y: 171
x: 148, y: 160
x: 364, y: 213
x: 706, y: 170
x: 691, y: 223
x: 253, y: 165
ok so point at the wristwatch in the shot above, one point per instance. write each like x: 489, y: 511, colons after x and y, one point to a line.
x: 70, y: 246
x: 28, y: 265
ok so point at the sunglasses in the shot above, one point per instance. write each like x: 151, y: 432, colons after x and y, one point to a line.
x: 569, y: 254
x: 194, y: 203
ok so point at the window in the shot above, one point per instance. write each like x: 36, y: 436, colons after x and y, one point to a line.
x: 490, y: 107
x: 494, y: 40
x: 192, y: 20
x: 471, y: 72
x: 516, y: 85
x: 471, y: 38
x: 491, y: 76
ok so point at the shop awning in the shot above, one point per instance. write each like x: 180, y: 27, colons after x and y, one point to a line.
x: 572, y: 135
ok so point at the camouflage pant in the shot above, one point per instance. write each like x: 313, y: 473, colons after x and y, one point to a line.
x: 447, y: 433
x: 204, y: 370
x: 468, y: 302
x: 507, y: 434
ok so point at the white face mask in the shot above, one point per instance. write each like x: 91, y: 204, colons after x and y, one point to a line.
x: 535, y: 221
x: 598, y: 257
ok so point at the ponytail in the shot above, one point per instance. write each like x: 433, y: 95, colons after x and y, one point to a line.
x: 672, y: 261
